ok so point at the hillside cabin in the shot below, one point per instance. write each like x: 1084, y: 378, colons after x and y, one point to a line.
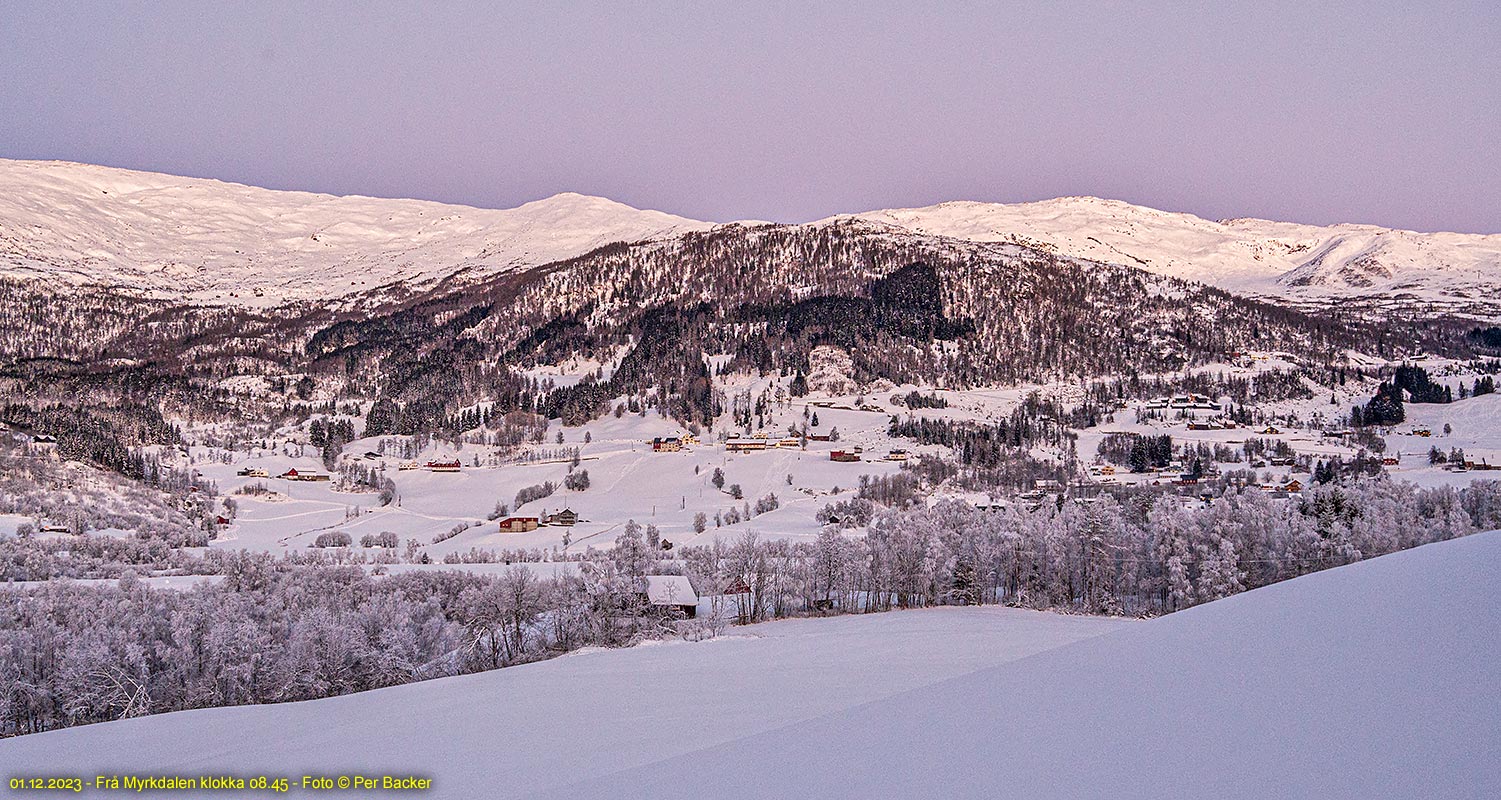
x: 744, y: 445
x: 842, y: 456
x: 670, y: 593
x: 519, y: 524
x: 451, y: 465
x: 1293, y: 487
x: 567, y: 517
x: 1282, y: 461
x: 666, y: 444
x: 897, y: 455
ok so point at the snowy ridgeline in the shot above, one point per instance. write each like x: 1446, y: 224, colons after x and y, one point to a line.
x: 226, y: 243
x: 1373, y: 680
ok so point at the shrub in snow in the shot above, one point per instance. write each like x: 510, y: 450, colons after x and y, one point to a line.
x: 332, y: 539
x: 536, y: 492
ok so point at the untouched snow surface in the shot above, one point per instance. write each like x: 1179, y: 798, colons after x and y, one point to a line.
x: 1377, y: 680
x: 521, y: 730
x: 218, y: 242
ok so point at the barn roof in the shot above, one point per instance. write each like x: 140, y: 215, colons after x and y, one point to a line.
x: 670, y: 590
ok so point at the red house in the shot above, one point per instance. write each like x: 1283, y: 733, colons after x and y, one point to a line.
x: 518, y: 524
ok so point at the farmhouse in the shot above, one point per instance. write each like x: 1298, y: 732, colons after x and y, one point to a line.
x: 840, y: 455
x: 669, y: 444
x: 451, y: 465
x: 518, y: 524
x: 567, y: 517
x: 253, y: 472
x: 897, y: 455
x: 295, y: 474
x: 744, y: 445
x: 670, y: 592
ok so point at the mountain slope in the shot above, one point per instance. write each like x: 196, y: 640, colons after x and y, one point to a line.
x: 1251, y: 256
x: 1372, y: 680
x: 216, y: 242
x: 221, y: 243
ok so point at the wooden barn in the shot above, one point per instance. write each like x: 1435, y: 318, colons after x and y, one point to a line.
x: 518, y: 524
x: 670, y: 592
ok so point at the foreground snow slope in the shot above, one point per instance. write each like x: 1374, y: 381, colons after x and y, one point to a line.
x: 1376, y: 680
x: 218, y: 242
x: 517, y: 731
x: 1251, y: 256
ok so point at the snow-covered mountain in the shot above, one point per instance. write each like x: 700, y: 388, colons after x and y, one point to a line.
x: 1248, y: 256
x: 223, y: 243
x: 217, y: 242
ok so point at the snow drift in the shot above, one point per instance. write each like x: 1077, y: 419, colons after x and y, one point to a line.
x: 1375, y: 680
x: 517, y: 731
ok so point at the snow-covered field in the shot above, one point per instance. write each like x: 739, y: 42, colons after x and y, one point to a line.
x: 523, y: 730
x: 1375, y: 680
x: 628, y: 481
x: 1369, y: 681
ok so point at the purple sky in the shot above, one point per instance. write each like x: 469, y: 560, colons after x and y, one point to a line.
x: 1382, y: 112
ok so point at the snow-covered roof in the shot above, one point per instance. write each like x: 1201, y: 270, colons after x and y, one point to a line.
x: 670, y: 590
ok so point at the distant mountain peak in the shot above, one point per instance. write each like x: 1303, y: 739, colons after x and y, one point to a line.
x: 218, y: 242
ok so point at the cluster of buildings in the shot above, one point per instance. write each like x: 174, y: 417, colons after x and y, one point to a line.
x: 567, y: 518
x: 1183, y: 402
x: 295, y: 474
